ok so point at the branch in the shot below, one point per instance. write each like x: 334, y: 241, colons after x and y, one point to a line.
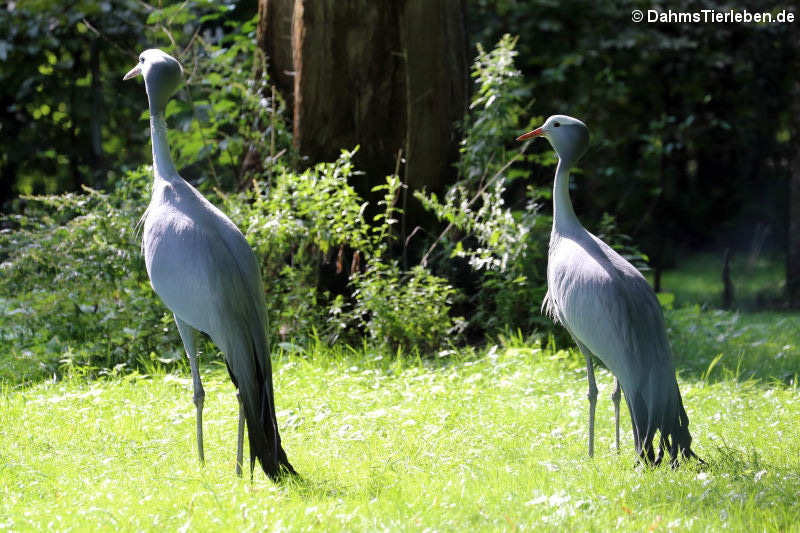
x: 424, y: 261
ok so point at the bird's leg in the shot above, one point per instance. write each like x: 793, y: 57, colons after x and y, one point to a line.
x: 240, y: 437
x: 616, y: 394
x: 199, y: 399
x: 592, y: 396
x: 188, y: 337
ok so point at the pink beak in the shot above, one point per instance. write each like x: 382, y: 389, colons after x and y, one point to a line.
x: 535, y: 133
x: 135, y: 71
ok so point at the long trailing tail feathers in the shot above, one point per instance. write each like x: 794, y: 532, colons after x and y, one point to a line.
x: 669, y: 419
x: 254, y: 382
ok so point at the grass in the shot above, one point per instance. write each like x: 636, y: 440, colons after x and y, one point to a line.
x: 723, y: 345
x: 488, y: 441
x: 758, y: 281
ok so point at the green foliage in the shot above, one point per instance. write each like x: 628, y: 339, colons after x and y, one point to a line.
x: 495, y: 111
x: 318, y: 205
x: 504, y: 242
x: 299, y: 220
x: 68, y: 118
x: 58, y: 128
x: 294, y: 224
x: 75, y: 294
x: 402, y: 310
x: 73, y: 287
x: 233, y: 125
x: 678, y: 158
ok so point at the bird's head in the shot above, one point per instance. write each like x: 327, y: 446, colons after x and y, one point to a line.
x: 162, y: 74
x: 568, y: 136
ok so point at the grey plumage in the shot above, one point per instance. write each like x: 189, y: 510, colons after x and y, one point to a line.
x: 203, y: 269
x: 611, y: 312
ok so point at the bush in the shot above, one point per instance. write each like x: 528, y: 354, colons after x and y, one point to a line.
x: 74, y: 290
x: 298, y: 221
x: 504, y: 241
x: 74, y: 286
x: 77, y: 295
x: 402, y: 310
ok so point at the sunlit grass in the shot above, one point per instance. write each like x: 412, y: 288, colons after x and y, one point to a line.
x: 763, y: 346
x: 494, y: 440
x: 489, y: 441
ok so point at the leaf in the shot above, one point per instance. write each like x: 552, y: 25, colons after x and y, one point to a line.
x: 711, y: 366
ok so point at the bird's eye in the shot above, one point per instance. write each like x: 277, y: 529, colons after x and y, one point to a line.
x: 556, y: 124
x: 141, y: 60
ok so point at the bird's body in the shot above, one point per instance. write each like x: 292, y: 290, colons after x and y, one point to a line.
x: 179, y: 224
x: 634, y: 348
x: 203, y: 269
x: 611, y: 312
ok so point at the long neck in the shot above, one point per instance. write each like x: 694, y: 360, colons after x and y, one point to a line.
x: 564, y: 218
x: 162, y: 161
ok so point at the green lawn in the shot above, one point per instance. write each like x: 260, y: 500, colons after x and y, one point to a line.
x: 488, y: 441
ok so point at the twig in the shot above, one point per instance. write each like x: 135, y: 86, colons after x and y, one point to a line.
x: 404, y: 203
x: 272, y: 124
x: 189, y: 45
x: 105, y: 37
x: 424, y: 261
x: 169, y: 36
x: 397, y: 171
x: 408, y: 239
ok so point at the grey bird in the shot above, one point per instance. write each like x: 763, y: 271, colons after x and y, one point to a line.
x: 611, y: 312
x: 205, y: 272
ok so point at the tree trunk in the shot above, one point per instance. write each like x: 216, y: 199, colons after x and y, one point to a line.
x: 793, y: 249
x: 274, y: 38
x: 349, y: 85
x: 382, y: 74
x: 435, y: 48
x: 727, y: 283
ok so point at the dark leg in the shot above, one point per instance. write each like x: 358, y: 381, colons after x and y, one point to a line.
x: 240, y: 437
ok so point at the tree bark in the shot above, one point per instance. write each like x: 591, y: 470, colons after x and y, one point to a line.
x: 381, y: 74
x: 437, y: 90
x: 274, y: 38
x: 349, y: 86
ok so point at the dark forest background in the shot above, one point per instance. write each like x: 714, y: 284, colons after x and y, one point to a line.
x: 694, y: 147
